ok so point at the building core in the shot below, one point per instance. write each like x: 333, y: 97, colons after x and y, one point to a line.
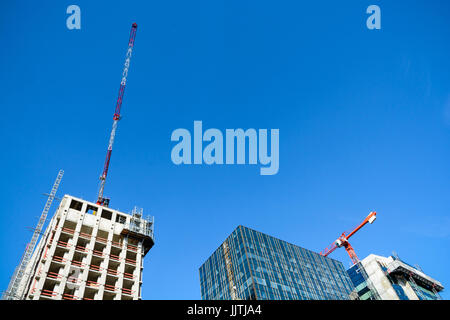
x: 392, y: 279
x: 88, y: 252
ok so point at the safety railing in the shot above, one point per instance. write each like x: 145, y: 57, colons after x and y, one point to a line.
x: 97, y: 253
x: 92, y: 284
x: 95, y: 268
x: 59, y: 259
x: 127, y: 291
x: 128, y: 275
x: 100, y: 239
x: 54, y: 275
x: 81, y: 249
x: 67, y: 296
x: 86, y: 236
x: 132, y: 247
x: 68, y: 230
x: 111, y: 288
x: 114, y: 257
x: 116, y: 244
x: 112, y: 272
x: 49, y: 293
x: 78, y: 263
x: 63, y: 244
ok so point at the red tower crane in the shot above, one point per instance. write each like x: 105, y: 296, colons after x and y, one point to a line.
x: 342, y: 241
x: 100, y: 199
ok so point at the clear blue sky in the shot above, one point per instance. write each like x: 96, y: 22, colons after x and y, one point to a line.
x: 364, y: 120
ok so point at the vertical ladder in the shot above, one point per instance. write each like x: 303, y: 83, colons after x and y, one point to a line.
x: 229, y: 266
x: 11, y: 293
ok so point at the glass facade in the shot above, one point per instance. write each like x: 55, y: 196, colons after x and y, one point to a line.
x: 360, y: 284
x: 253, y: 265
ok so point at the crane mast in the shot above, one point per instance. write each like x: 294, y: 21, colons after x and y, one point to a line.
x: 116, y: 117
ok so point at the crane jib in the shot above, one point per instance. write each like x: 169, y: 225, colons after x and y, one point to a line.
x: 116, y: 116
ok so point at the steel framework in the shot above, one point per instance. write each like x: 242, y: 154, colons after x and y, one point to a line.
x: 116, y: 117
x: 19, y: 272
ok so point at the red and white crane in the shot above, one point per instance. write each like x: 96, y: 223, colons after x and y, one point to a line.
x: 342, y: 241
x: 100, y: 199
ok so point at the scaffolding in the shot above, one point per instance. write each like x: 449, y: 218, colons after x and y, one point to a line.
x: 12, y: 292
x: 140, y: 227
x: 414, y: 275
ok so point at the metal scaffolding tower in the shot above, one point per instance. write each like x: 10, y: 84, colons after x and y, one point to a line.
x: 19, y: 272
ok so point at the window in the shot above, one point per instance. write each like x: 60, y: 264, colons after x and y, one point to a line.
x: 121, y: 219
x: 106, y: 214
x: 91, y: 210
x: 76, y: 205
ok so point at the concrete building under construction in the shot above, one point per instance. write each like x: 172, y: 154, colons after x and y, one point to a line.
x: 88, y: 252
x: 392, y: 279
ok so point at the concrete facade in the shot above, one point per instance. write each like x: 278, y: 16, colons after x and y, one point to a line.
x: 88, y: 252
x: 393, y: 279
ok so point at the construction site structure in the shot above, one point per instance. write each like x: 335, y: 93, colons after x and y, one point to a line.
x: 19, y: 273
x: 116, y: 117
x: 87, y: 256
x: 342, y: 241
x: 87, y: 251
x: 393, y: 279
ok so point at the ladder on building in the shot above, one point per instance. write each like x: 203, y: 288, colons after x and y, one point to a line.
x: 12, y: 291
x: 230, y: 274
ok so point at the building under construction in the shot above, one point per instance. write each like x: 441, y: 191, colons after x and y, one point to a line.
x: 380, y: 278
x: 253, y: 265
x: 88, y: 252
x: 392, y: 279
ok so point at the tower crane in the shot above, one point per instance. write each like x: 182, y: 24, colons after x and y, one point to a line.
x: 116, y: 117
x: 342, y: 241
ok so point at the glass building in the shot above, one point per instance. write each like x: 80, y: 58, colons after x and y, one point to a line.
x: 252, y: 265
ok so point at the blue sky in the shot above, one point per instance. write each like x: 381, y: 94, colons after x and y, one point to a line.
x: 364, y: 120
